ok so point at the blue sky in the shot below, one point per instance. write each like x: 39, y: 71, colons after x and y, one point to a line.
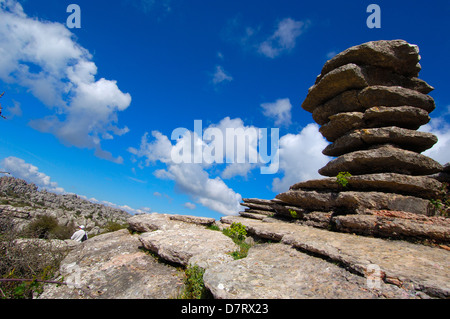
x: 91, y: 110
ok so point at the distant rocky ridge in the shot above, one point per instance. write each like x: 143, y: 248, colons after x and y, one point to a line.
x: 24, y: 201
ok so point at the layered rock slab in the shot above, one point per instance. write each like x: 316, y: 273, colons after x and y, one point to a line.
x: 191, y: 245
x: 111, y: 266
x: 384, y: 159
x: 414, y: 267
x: 275, y: 271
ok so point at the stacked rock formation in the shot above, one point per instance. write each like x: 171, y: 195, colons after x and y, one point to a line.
x: 369, y: 102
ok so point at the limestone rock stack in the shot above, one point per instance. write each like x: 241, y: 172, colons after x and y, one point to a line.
x: 369, y: 102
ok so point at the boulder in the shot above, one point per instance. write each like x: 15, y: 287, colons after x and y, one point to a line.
x: 395, y: 96
x: 263, y: 207
x: 418, y: 186
x: 263, y: 275
x: 111, y: 266
x: 384, y: 159
x: 397, y: 55
x: 362, y: 138
x: 196, y: 220
x: 344, y: 78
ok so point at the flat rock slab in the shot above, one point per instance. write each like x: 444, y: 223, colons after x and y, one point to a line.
x: 190, y: 245
x: 354, y: 201
x: 411, y: 266
x: 277, y: 271
x: 360, y: 139
x: 384, y: 159
x: 111, y: 266
x: 397, y: 55
x: 419, y: 186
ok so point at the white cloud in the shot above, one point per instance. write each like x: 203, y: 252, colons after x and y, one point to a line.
x: 300, y: 157
x: 189, y: 205
x: 221, y: 76
x: 13, y: 111
x: 283, y: 39
x: 280, y: 111
x: 193, y: 178
x: 45, y: 58
x: 441, y: 150
x: 18, y: 168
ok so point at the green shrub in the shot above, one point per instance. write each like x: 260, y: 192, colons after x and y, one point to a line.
x: 47, y: 227
x: 342, y: 178
x: 236, y: 232
x: 194, y: 287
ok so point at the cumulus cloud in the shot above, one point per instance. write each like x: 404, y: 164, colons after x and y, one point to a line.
x: 300, y: 157
x: 18, y: 168
x: 441, y: 150
x: 280, y: 111
x: 192, y: 177
x: 45, y: 58
x: 283, y: 39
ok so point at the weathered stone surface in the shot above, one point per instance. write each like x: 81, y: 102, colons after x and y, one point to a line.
x: 407, y: 117
x: 150, y: 222
x: 362, y: 138
x: 263, y: 275
x: 310, y: 200
x: 416, y: 267
x: 111, y: 266
x: 446, y: 168
x: 397, y: 55
x: 285, y: 210
x: 353, y: 201
x: 419, y: 186
x: 191, y: 244
x: 345, y: 102
x: 388, y: 225
x: 344, y: 78
x: 392, y: 96
x: 257, y: 201
x: 385, y: 159
x: 360, y: 201
x: 197, y: 220
x: 342, y: 123
x: 381, y: 76
x: 264, y: 207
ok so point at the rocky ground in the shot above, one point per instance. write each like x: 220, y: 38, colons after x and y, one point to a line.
x: 24, y: 201
x: 287, y: 261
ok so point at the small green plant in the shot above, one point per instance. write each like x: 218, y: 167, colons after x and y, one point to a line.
x: 194, y: 287
x: 236, y: 232
x: 294, y: 214
x: 213, y: 227
x: 342, y: 178
x: 441, y: 205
